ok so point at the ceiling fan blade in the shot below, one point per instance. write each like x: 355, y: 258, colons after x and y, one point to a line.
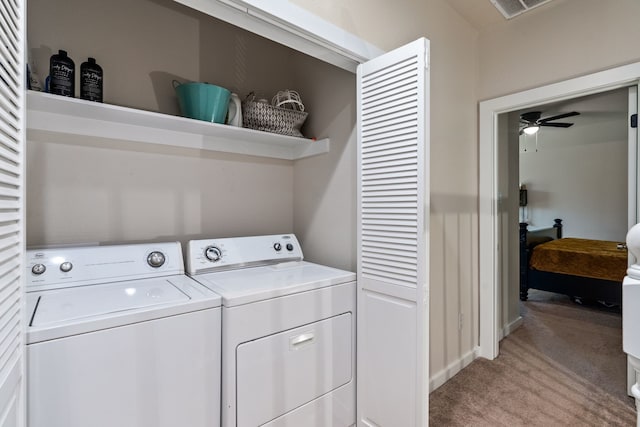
x: 559, y: 116
x: 556, y: 125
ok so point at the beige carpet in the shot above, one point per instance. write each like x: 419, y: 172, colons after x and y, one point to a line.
x: 563, y: 367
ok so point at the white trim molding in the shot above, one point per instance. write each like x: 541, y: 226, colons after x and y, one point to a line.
x: 444, y: 375
x: 292, y: 26
x: 510, y: 327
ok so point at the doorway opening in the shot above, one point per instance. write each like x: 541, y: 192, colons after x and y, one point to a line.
x: 491, y: 247
x: 568, y: 179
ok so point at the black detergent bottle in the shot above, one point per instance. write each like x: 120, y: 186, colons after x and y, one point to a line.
x: 91, y: 81
x: 62, y: 75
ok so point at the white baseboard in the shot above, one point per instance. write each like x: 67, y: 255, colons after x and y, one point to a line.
x: 447, y: 373
x: 511, y: 327
x: 441, y: 377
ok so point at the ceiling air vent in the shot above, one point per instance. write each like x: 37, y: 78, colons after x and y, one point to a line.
x: 511, y: 8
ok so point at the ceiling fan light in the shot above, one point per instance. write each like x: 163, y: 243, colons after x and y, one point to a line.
x: 531, y: 130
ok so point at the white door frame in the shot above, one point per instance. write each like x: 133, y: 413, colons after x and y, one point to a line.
x: 632, y: 165
x: 490, y: 284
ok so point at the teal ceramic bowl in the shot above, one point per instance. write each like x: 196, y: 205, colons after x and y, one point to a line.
x: 203, y: 101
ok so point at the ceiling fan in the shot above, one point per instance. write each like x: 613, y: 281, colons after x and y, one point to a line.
x: 532, y: 121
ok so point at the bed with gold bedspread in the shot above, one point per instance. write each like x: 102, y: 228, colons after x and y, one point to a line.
x: 580, y: 268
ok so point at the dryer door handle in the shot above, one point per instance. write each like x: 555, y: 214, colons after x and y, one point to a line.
x: 297, y: 341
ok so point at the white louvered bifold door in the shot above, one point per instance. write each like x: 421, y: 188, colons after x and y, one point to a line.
x: 12, y: 78
x: 393, y: 261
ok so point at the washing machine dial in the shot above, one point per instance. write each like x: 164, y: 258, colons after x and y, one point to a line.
x: 277, y: 247
x: 38, y: 269
x: 289, y: 247
x: 156, y: 259
x: 66, y: 267
x: 213, y: 253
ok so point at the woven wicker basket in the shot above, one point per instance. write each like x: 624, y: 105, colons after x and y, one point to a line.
x: 265, y: 117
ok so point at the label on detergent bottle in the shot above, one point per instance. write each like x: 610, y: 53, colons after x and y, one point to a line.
x: 91, y: 81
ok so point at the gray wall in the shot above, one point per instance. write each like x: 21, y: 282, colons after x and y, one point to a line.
x: 588, y: 36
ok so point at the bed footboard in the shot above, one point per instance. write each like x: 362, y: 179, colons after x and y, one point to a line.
x: 524, y: 263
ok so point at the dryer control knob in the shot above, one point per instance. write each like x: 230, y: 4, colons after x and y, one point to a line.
x: 156, y: 259
x: 277, y: 247
x: 213, y: 253
x: 38, y: 269
x: 66, y: 267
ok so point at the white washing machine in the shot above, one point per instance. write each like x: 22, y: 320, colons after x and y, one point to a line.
x: 288, y: 332
x: 119, y: 336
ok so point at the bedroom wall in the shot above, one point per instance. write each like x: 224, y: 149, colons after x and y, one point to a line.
x: 454, y: 169
x: 579, y: 174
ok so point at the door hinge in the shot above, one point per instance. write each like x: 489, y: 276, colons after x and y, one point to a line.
x: 634, y: 121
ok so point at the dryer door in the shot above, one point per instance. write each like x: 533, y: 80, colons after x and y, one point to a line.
x: 279, y: 373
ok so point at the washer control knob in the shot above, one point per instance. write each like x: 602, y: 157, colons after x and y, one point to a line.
x: 277, y: 247
x: 213, y: 253
x: 38, y: 269
x: 289, y: 247
x: 66, y: 267
x: 156, y: 259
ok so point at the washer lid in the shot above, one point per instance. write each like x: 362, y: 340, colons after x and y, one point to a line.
x: 249, y: 285
x: 77, y: 303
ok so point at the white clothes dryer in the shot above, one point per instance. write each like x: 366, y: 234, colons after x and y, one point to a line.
x: 288, y: 335
x: 119, y: 336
